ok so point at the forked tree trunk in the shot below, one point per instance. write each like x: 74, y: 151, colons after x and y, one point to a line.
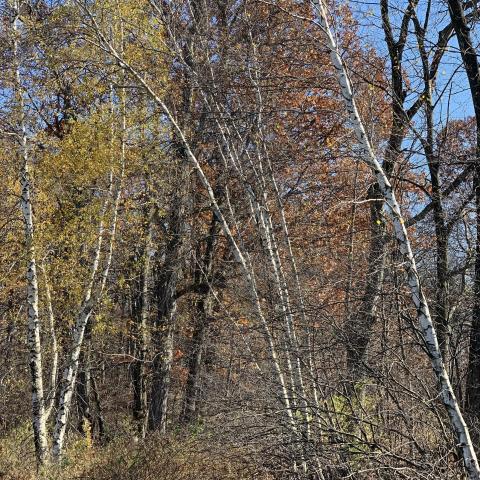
x: 92, y: 295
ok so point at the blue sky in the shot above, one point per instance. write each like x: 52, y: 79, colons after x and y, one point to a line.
x: 452, y: 85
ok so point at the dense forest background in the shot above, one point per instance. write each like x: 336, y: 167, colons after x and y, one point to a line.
x: 239, y: 239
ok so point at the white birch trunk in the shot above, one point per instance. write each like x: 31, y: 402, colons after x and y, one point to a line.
x: 34, y: 340
x: 71, y: 370
x: 423, y: 314
x: 53, y: 338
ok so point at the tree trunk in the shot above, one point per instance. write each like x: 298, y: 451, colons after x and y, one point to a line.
x: 162, y: 341
x: 359, y: 330
x: 55, y: 353
x: 165, y: 296
x: 440, y: 313
x: 85, y: 417
x: 203, y: 307
x: 95, y: 286
x: 140, y: 336
x: 194, y: 367
x: 93, y: 294
x: 240, y: 256
x: 96, y: 399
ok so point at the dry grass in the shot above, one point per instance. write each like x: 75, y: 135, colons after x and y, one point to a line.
x: 180, y: 457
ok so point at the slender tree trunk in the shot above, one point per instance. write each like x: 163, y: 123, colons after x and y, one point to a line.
x: 70, y: 376
x: 91, y: 423
x: 90, y: 300
x: 71, y: 370
x: 93, y: 294
x: 141, y: 314
x: 359, y: 331
x: 98, y: 405
x: 34, y: 342
x: 241, y: 257
x: 423, y: 314
x: 258, y: 202
x: 55, y: 351
x: 440, y: 311
x: 96, y: 285
x: 83, y: 394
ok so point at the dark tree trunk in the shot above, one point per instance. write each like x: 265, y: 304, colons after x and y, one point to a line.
x: 360, y: 328
x: 440, y: 310
x: 194, y: 366
x: 96, y: 398
x: 91, y: 423
x: 140, y: 304
x: 203, y: 275
x: 162, y: 343
x: 166, y: 284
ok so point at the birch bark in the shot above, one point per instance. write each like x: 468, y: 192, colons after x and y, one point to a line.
x: 53, y: 336
x: 241, y: 258
x: 70, y: 372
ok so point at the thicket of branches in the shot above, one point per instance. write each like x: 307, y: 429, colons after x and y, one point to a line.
x: 239, y: 241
